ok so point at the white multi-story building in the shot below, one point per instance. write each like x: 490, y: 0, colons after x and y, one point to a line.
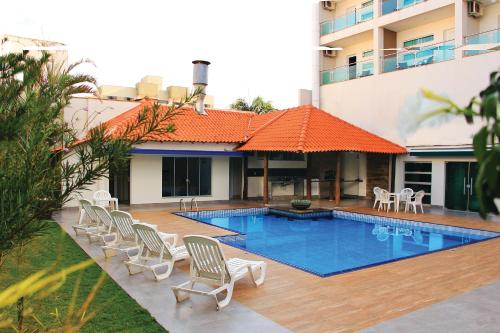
x: 376, y: 56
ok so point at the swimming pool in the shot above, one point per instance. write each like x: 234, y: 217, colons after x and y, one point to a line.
x: 340, y: 243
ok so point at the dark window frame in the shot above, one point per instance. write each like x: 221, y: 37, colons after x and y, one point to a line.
x: 204, y: 185
x: 422, y: 168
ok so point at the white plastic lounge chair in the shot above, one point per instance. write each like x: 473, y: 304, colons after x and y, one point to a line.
x: 127, y: 239
x: 155, y: 253
x: 405, y: 196
x: 86, y: 212
x: 209, y: 266
x: 104, y: 231
x: 385, y: 200
x: 103, y: 198
x: 376, y: 192
x: 415, y: 201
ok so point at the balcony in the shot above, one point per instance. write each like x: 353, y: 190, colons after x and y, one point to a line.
x: 419, y: 56
x: 359, y: 15
x: 389, y: 6
x: 347, y: 72
x: 483, y: 38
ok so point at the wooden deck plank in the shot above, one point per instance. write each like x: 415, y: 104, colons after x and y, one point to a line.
x: 349, y: 302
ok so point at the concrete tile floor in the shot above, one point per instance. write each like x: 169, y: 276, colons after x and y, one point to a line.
x: 474, y: 311
x: 196, y: 315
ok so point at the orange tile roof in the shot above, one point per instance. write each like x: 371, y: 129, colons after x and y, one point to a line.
x: 309, y: 129
x: 218, y: 126
x: 300, y: 129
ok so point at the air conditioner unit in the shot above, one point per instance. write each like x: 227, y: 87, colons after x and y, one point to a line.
x: 329, y: 53
x: 474, y: 9
x: 328, y: 5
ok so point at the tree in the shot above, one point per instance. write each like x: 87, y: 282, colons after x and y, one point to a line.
x: 42, y: 161
x: 258, y: 105
x: 484, y: 109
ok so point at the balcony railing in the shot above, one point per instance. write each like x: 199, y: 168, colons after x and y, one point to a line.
x: 348, y: 72
x: 389, y: 6
x: 420, y: 56
x: 359, y: 15
x: 486, y: 37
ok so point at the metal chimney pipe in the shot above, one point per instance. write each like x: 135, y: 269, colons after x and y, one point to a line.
x: 200, y: 81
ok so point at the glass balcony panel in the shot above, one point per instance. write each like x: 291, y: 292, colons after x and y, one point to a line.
x: 425, y: 55
x: 389, y: 6
x: 357, y: 16
x: 347, y: 72
x: 487, y: 37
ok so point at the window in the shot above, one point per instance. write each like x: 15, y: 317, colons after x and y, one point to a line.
x: 368, y: 53
x: 186, y: 176
x: 418, y: 176
x: 417, y: 41
x: 367, y: 3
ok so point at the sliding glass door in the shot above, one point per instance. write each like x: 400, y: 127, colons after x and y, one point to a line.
x: 186, y: 176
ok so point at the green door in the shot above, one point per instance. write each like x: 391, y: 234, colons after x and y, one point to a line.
x: 473, y: 203
x: 460, y: 192
x: 456, y: 191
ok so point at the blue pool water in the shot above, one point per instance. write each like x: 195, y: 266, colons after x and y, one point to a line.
x: 328, y: 246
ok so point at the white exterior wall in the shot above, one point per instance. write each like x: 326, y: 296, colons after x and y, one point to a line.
x: 146, y: 174
x: 438, y: 174
x: 435, y: 28
x: 491, y: 17
x: 85, y: 113
x: 375, y: 102
x: 355, y: 49
x: 101, y: 184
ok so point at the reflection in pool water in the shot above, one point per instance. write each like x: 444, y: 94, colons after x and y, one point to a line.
x: 331, y: 246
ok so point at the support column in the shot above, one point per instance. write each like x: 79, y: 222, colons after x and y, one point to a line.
x: 308, y: 177
x: 378, y: 46
x: 337, y: 179
x: 245, y: 178
x: 266, y: 178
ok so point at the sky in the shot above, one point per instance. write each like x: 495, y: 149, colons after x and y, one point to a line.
x: 258, y: 47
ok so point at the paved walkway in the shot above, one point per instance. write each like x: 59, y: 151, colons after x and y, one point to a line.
x: 196, y: 315
x: 303, y: 302
x: 475, y: 311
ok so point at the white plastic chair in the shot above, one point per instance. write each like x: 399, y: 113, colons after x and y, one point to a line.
x: 103, y: 198
x: 127, y: 239
x: 416, y: 200
x: 155, y: 253
x: 405, y: 196
x: 385, y: 200
x: 209, y: 266
x: 104, y: 231
x: 376, y: 192
x: 86, y: 212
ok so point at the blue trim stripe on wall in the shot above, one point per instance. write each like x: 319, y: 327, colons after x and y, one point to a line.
x: 186, y: 152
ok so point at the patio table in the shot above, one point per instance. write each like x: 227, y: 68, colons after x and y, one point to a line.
x: 396, y: 200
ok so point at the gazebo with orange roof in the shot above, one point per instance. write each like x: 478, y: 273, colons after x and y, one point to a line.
x: 307, y: 129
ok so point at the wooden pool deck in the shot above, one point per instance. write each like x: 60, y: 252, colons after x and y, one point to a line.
x: 303, y: 302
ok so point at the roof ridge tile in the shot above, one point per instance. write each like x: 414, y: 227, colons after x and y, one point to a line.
x: 303, y: 130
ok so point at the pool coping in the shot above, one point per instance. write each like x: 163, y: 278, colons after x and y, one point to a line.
x: 234, y: 233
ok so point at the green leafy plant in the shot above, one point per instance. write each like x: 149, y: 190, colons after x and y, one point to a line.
x: 43, y: 160
x: 258, y: 105
x: 485, y: 109
x: 300, y: 204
